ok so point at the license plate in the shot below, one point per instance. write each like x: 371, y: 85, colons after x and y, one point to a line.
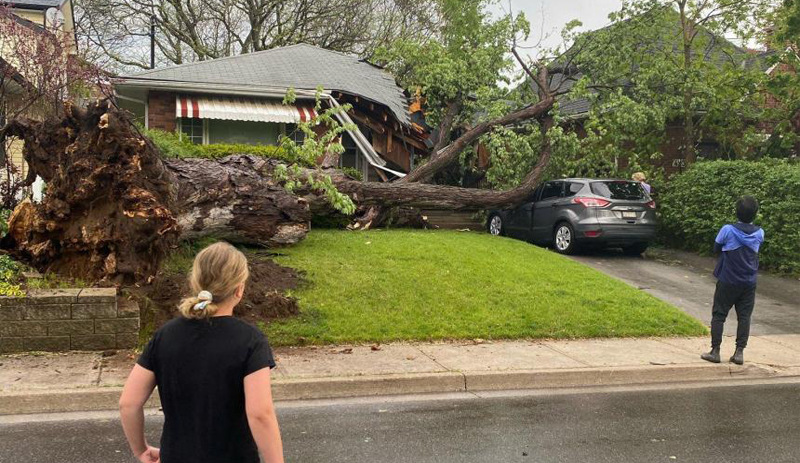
x: 628, y: 215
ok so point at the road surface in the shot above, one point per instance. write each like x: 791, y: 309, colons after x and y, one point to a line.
x: 742, y: 423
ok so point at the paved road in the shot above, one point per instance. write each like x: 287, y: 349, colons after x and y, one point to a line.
x: 753, y: 424
x: 687, y: 282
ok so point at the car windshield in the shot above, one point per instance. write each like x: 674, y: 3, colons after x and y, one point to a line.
x: 618, y: 189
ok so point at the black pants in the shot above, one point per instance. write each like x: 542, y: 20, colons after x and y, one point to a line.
x: 725, y: 297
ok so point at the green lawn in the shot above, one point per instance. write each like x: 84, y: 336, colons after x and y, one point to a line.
x: 389, y: 285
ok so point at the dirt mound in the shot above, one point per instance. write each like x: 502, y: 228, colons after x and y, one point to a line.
x: 264, y: 298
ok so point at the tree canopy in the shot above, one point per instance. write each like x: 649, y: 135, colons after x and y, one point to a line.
x: 673, y: 63
x: 116, y: 31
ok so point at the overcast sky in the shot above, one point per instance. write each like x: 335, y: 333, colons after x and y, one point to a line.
x: 549, y: 16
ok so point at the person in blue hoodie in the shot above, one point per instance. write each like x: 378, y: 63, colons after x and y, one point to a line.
x: 737, y: 269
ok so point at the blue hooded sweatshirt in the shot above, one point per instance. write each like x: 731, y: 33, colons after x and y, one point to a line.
x: 739, y: 244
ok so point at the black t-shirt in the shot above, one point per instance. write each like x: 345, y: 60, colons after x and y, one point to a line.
x: 200, y: 367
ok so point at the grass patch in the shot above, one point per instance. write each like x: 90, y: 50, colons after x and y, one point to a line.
x: 53, y: 281
x: 14, y: 283
x: 393, y: 285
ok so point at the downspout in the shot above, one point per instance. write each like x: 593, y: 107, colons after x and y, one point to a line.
x: 369, y: 153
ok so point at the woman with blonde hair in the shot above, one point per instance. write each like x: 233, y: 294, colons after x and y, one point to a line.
x: 641, y: 178
x: 212, y: 372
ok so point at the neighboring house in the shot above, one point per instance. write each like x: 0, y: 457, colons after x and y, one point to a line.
x: 36, y: 11
x: 238, y: 99
x: 575, y: 111
x: 34, y: 17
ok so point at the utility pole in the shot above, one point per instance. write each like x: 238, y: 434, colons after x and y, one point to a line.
x: 152, y: 41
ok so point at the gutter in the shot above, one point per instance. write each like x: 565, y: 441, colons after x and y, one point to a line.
x: 241, y: 90
x: 364, y: 146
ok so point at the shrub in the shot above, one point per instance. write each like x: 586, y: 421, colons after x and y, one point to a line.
x: 9, y: 277
x: 4, y: 215
x: 353, y: 173
x: 172, y: 146
x: 695, y: 204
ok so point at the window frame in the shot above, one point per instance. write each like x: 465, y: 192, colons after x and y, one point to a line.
x: 536, y: 193
x: 560, y: 193
x: 179, y: 127
x: 611, y: 197
x: 567, y: 192
x: 290, y: 130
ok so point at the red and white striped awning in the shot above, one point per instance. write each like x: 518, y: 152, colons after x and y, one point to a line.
x: 242, y: 109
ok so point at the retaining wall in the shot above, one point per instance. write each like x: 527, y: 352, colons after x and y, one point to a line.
x: 68, y: 319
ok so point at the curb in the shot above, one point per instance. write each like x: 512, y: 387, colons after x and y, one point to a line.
x: 612, y: 376
x: 285, y: 389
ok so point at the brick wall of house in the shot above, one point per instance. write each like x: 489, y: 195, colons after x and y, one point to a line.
x: 68, y: 319
x: 161, y: 111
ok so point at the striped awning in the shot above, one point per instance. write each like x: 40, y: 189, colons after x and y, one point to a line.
x: 242, y: 109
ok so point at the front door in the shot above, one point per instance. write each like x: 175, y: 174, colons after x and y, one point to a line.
x: 544, y: 212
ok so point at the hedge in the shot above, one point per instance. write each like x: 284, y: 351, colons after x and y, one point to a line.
x: 172, y: 146
x: 695, y: 204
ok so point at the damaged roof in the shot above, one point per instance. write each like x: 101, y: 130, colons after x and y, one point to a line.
x: 300, y: 66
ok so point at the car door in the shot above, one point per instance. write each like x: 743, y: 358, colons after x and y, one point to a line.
x: 544, y: 211
x: 520, y: 218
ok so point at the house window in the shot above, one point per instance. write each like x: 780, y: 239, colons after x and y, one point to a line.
x: 192, y: 130
x: 294, y: 133
x: 351, y: 156
x: 244, y: 132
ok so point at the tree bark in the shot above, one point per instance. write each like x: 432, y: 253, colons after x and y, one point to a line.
x: 449, y: 154
x: 446, y: 128
x: 426, y: 196
x: 114, y: 208
x: 689, y: 151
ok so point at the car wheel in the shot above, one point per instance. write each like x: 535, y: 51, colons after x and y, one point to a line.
x: 495, y: 225
x: 635, y: 249
x: 564, y: 238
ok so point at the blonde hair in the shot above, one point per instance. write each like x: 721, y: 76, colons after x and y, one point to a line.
x: 218, y: 269
x: 639, y: 177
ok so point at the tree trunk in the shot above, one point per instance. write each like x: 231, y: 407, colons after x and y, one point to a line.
x: 114, y: 208
x: 687, y: 28
x: 427, y: 196
x: 449, y: 154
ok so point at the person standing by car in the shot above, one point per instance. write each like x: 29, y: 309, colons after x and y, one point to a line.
x: 736, y: 272
x: 212, y: 372
x: 641, y: 178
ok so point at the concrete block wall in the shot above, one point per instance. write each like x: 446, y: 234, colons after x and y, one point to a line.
x: 68, y: 319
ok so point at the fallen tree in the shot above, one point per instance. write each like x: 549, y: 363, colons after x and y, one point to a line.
x: 114, y: 207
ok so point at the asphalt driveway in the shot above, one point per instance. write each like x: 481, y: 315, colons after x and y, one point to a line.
x: 686, y: 281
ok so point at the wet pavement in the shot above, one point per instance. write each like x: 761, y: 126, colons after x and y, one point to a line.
x: 752, y: 423
x: 686, y: 281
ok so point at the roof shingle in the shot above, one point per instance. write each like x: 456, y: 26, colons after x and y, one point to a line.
x: 298, y: 66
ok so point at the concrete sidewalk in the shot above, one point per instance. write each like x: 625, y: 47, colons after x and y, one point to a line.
x: 38, y: 383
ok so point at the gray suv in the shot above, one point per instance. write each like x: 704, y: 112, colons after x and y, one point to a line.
x: 574, y: 212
